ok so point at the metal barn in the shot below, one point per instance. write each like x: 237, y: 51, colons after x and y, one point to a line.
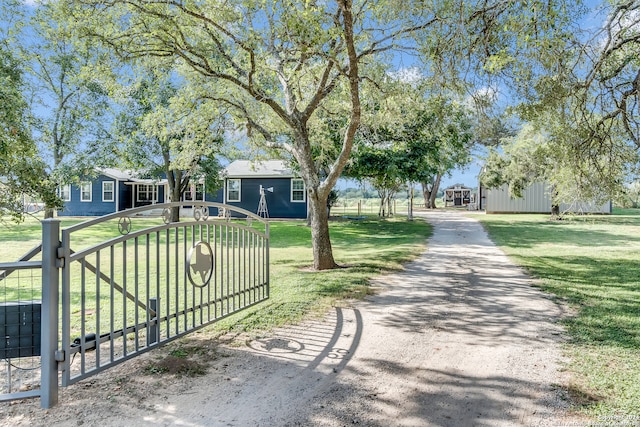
x: 535, y: 199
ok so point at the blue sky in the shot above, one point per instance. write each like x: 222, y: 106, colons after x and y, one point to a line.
x: 467, y: 176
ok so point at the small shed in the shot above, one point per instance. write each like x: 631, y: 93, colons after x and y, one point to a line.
x: 457, y: 195
x: 245, y: 181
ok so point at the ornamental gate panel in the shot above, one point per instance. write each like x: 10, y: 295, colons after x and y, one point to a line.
x: 126, y: 290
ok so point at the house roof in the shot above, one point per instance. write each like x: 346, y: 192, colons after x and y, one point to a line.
x: 258, y: 169
x: 116, y: 173
x: 130, y: 177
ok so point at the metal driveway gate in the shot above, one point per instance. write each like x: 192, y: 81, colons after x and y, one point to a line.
x: 130, y: 282
x: 145, y: 287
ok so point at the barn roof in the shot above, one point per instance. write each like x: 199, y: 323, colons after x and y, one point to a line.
x: 458, y: 187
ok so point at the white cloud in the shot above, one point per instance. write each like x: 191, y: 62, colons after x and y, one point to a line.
x: 484, y: 97
x: 407, y: 75
x: 621, y: 25
x: 630, y: 20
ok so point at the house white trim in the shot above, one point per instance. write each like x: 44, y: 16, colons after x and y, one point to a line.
x: 86, y: 187
x: 106, y: 191
x: 298, y: 191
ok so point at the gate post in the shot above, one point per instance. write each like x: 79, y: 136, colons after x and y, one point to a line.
x: 49, y: 318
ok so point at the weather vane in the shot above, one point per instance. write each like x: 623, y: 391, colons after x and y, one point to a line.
x: 262, y: 206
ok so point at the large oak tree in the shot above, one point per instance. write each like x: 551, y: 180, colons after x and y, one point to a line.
x: 276, y: 63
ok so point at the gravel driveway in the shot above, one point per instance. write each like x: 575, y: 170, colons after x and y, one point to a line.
x: 459, y: 338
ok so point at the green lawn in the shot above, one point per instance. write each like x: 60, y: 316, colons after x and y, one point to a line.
x: 591, y: 263
x: 364, y: 247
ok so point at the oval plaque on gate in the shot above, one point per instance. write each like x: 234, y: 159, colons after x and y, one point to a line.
x: 200, y: 262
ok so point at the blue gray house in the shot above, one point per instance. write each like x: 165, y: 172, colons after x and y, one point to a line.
x: 285, y: 195
x: 114, y: 190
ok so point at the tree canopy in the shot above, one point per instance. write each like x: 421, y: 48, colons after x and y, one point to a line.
x: 280, y: 66
x: 160, y: 130
x: 22, y: 173
x: 67, y: 105
x: 286, y: 71
x: 581, y: 94
x: 411, y: 138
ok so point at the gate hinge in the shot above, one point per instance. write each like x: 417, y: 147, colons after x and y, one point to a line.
x: 61, y: 258
x: 59, y: 355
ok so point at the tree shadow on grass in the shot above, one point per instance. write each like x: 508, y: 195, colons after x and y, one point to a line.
x: 607, y: 294
x: 527, y: 234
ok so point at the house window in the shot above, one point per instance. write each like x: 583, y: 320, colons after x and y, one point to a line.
x: 65, y: 192
x: 297, y: 190
x: 187, y: 195
x: 233, y: 190
x: 107, y: 191
x: 85, y: 192
x: 196, y: 190
x: 147, y: 192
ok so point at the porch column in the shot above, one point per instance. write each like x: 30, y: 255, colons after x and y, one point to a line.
x: 116, y: 191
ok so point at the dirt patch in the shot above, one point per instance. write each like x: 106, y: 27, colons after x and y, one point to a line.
x: 176, y: 366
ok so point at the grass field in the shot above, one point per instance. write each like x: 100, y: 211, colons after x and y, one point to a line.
x: 364, y: 247
x: 591, y: 263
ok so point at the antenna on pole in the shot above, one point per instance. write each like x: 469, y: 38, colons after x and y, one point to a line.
x: 262, y: 205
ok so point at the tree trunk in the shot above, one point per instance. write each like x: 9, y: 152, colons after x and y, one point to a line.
x: 426, y: 193
x: 410, y: 207
x: 49, y: 210
x: 434, y: 191
x: 320, y: 239
x: 430, y: 191
x: 555, y: 207
x: 383, y: 199
x: 174, y: 178
x: 175, y: 211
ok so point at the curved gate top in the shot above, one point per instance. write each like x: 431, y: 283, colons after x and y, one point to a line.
x: 131, y: 282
